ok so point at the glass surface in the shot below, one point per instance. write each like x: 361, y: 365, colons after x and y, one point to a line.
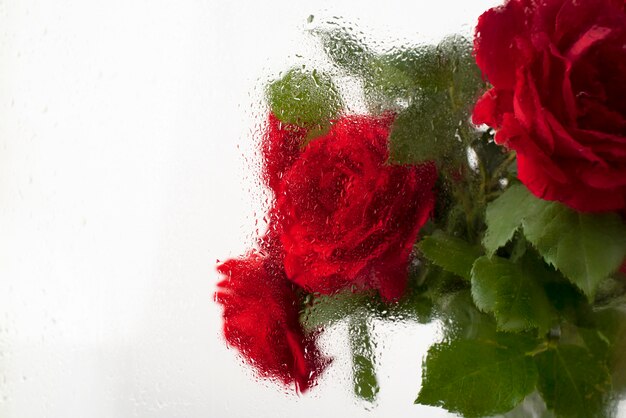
x: 127, y: 169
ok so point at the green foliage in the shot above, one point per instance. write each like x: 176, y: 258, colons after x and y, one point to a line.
x: 571, y: 305
x: 383, y: 81
x: 505, y: 214
x: 461, y: 318
x: 363, y: 371
x: 325, y: 310
x: 573, y: 383
x: 434, y: 126
x: 425, y: 131
x: 346, y: 51
x: 451, y: 64
x: 585, y: 247
x: 533, y: 406
x: 609, y: 336
x: 305, y: 98
x: 386, y: 87
x: 322, y: 311
x: 477, y: 377
x: 450, y: 253
x: 512, y: 293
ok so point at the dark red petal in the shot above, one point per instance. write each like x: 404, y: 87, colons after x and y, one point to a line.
x: 579, y: 24
x: 496, y: 42
x: 492, y: 106
x: 575, y: 194
x: 280, y: 146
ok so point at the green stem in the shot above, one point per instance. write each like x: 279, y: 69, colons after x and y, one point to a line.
x: 544, y: 346
x: 363, y: 373
x: 460, y: 192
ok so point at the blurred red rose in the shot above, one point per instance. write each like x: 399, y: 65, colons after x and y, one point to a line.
x: 346, y: 218
x: 261, y: 311
x: 558, y: 70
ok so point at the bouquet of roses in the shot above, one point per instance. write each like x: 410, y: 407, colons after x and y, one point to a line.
x: 485, y: 189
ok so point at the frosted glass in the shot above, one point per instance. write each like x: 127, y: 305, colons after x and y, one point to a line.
x: 127, y: 170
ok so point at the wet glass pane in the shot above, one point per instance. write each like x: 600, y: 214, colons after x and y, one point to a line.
x: 275, y: 209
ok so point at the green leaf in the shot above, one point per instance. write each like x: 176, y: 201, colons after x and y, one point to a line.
x: 346, y: 51
x: 461, y: 318
x: 434, y: 126
x: 385, y: 86
x: 448, y: 65
x: 512, y: 293
x: 426, y: 130
x: 325, y: 310
x: 573, y: 383
x: 383, y: 80
x: 569, y: 302
x: 450, y: 253
x: 363, y: 372
x: 609, y: 339
x: 477, y: 378
x: 505, y: 214
x: 585, y: 247
x: 467, y: 81
x: 439, y: 283
x: 307, y: 99
x: 533, y: 406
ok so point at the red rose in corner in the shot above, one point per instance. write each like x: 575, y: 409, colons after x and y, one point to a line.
x: 346, y: 217
x: 261, y: 320
x: 558, y: 70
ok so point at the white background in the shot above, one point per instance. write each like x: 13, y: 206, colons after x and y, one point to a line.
x: 126, y: 171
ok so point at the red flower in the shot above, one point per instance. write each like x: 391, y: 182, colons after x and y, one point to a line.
x: 347, y: 218
x: 558, y: 70
x: 261, y: 321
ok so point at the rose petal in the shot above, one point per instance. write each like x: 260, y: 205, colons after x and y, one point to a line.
x: 529, y: 111
x: 280, y: 146
x: 495, y: 45
x: 492, y: 106
x: 575, y: 194
x: 518, y: 139
x: 566, y: 146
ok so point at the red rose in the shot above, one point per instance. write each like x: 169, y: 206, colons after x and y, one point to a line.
x: 558, y: 70
x: 346, y: 217
x: 261, y: 320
